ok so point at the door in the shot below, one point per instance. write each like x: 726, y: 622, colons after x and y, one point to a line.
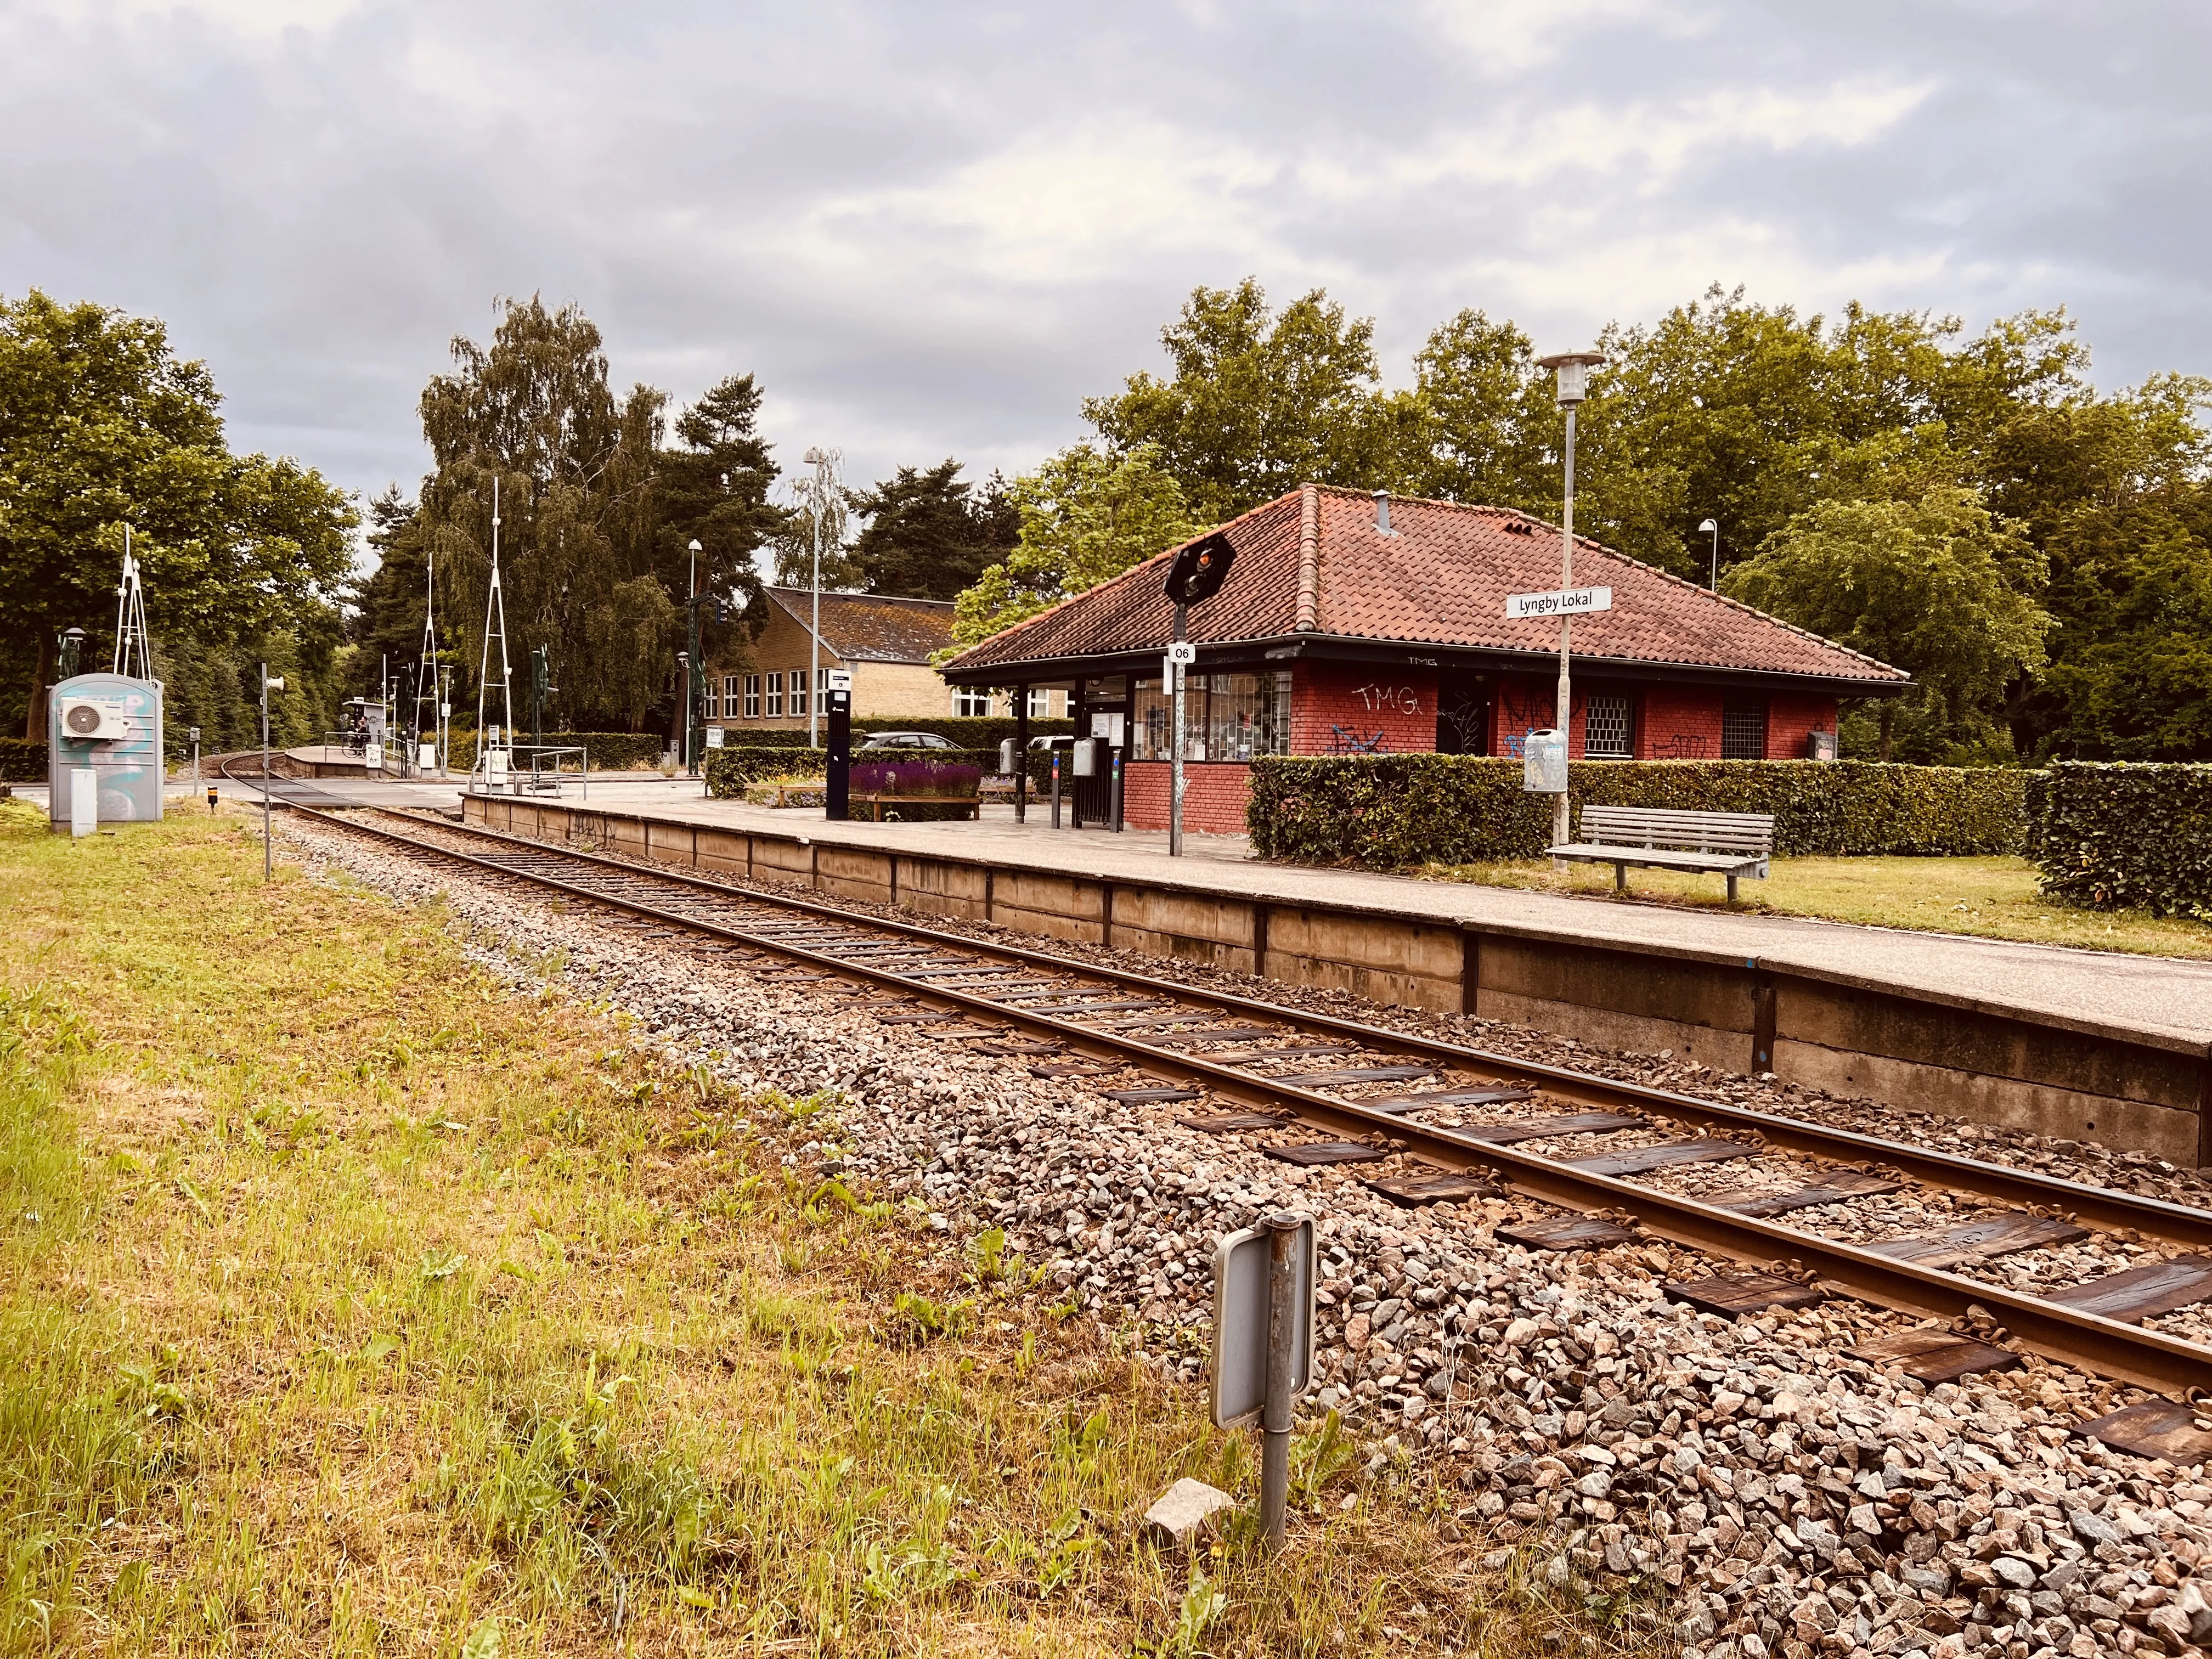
x: 1462, y: 712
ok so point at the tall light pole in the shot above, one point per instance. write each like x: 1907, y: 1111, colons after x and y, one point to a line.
x: 692, y: 672
x: 1573, y: 370
x: 1712, y: 528
x: 825, y: 462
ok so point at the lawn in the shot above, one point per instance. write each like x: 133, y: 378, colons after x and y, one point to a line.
x: 349, y: 1303
x: 1990, y: 897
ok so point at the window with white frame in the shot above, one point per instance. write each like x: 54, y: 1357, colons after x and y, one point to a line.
x: 971, y: 701
x: 729, y: 697
x: 775, y: 696
x: 797, y: 691
x: 1041, y: 703
x: 1605, y: 727
x: 752, y: 696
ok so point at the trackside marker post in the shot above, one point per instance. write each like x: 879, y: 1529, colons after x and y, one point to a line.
x: 1263, y: 1344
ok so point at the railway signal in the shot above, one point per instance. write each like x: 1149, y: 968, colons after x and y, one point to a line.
x: 1196, y: 574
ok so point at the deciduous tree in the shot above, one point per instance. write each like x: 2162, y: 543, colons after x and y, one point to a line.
x: 1086, y: 515
x: 101, y: 426
x: 1938, y: 586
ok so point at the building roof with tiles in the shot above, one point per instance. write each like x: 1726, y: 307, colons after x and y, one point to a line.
x: 870, y: 627
x: 1315, y: 574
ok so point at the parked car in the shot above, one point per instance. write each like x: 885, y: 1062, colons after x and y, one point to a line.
x: 907, y: 740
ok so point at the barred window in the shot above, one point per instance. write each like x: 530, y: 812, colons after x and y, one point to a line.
x: 775, y: 696
x: 1743, y: 731
x: 1605, y: 727
x: 1227, y: 717
x: 752, y: 696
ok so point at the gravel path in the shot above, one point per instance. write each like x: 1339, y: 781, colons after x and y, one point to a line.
x: 1794, y: 1501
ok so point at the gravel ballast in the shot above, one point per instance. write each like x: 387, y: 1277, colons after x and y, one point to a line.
x: 1789, y: 1499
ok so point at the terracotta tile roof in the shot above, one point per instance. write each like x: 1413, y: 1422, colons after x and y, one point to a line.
x: 1441, y: 580
x: 870, y: 627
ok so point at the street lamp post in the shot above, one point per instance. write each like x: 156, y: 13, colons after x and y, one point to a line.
x: 1711, y: 527
x: 691, y: 673
x: 1573, y: 370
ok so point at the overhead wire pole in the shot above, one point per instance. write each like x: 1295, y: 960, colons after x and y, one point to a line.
x: 825, y: 462
x: 487, y: 740
x: 426, y: 671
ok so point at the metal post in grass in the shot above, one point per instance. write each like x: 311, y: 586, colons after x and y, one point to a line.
x: 1263, y: 1303
x: 268, y: 845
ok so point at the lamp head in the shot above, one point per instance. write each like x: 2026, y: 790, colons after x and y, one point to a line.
x: 695, y: 545
x: 1708, y: 528
x: 1573, y: 369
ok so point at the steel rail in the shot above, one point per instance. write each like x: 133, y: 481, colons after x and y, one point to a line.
x: 2176, y: 1224
x: 2086, y: 1340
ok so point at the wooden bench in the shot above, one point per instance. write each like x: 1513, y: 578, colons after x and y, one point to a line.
x: 1731, y: 844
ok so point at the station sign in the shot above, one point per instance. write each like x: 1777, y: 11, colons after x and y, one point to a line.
x: 1560, y: 602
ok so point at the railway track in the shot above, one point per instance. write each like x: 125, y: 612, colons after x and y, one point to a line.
x: 1202, y: 1051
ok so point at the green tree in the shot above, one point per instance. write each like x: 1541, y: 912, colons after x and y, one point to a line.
x: 101, y: 426
x: 712, y: 486
x: 1937, y: 586
x: 1086, y: 515
x: 582, y: 553
x: 1260, y: 403
x: 929, y: 535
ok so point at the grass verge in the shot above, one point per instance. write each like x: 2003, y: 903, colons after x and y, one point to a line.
x: 348, y: 1302
x: 1987, y: 897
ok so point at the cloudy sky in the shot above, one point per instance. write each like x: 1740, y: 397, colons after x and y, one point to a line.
x: 931, y: 228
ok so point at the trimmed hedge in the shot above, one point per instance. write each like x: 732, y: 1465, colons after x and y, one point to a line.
x: 22, y: 760
x: 729, y: 770
x: 2122, y: 836
x: 967, y: 731
x: 1389, y: 811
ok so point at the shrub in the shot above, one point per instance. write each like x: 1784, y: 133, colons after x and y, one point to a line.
x: 1388, y: 812
x: 729, y: 770
x: 916, y: 777
x: 22, y: 760
x: 2122, y: 836
x: 967, y: 731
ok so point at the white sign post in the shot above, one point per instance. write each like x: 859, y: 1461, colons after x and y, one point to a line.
x: 1560, y: 602
x: 1263, y: 1344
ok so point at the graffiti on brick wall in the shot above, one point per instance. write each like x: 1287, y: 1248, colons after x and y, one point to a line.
x: 1685, y: 746
x: 1341, y: 742
x: 1401, y: 699
x: 1520, y: 713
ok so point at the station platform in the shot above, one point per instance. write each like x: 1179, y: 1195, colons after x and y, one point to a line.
x: 2073, y: 1044
x: 2152, y: 994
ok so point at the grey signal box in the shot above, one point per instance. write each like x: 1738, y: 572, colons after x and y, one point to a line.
x: 104, y: 734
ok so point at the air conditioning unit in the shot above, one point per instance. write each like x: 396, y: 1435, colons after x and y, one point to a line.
x: 91, y: 721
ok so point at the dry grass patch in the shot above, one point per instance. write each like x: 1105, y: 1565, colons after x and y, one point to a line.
x: 1985, y: 897
x: 353, y: 1304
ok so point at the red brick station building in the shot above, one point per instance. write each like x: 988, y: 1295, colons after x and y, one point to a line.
x: 1355, y: 625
